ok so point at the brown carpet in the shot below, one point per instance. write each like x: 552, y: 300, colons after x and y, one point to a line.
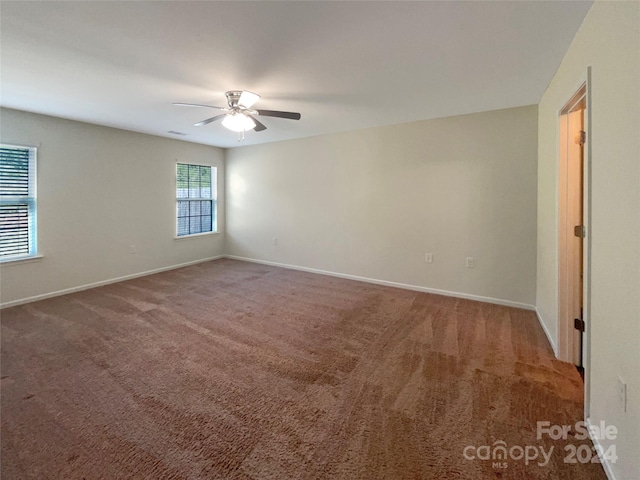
x: 231, y: 370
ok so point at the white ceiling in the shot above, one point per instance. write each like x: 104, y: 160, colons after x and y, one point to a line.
x: 342, y: 65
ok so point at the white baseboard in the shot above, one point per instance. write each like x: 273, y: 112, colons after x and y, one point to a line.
x: 547, y: 333
x: 387, y: 283
x: 406, y: 286
x: 103, y: 282
x: 605, y: 463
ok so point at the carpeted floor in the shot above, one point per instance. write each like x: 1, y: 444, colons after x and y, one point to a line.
x: 231, y: 370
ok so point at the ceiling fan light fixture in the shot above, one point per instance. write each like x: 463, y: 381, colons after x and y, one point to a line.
x: 247, y: 99
x: 238, y: 122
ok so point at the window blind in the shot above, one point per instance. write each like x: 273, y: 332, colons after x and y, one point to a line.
x: 17, y: 201
x: 196, y: 199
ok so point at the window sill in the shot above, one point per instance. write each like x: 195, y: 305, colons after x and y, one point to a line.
x: 21, y: 260
x: 194, y: 235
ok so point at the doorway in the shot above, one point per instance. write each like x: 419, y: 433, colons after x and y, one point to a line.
x: 572, y: 230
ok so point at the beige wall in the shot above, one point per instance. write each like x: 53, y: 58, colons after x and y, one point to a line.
x: 371, y: 203
x: 101, y: 190
x: 609, y: 42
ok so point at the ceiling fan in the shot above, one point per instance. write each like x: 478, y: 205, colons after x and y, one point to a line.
x: 239, y: 116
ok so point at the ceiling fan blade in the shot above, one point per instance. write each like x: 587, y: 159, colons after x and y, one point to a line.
x: 209, y: 120
x: 247, y: 99
x: 259, y: 125
x: 197, y: 105
x: 276, y: 113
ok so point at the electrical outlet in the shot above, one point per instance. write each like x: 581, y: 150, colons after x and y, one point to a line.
x: 471, y: 262
x: 428, y: 258
x: 132, y: 249
x: 622, y: 394
x: 274, y: 241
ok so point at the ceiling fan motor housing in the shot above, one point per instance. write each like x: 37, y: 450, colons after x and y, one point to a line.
x: 232, y: 98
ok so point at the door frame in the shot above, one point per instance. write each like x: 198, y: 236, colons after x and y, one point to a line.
x: 565, y: 323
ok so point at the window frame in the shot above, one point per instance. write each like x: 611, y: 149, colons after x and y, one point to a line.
x: 213, y: 199
x: 30, y: 200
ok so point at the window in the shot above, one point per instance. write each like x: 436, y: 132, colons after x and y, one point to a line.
x: 17, y: 202
x: 196, y: 199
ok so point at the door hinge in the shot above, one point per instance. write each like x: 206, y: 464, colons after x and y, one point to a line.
x: 578, y: 324
x: 579, y: 231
